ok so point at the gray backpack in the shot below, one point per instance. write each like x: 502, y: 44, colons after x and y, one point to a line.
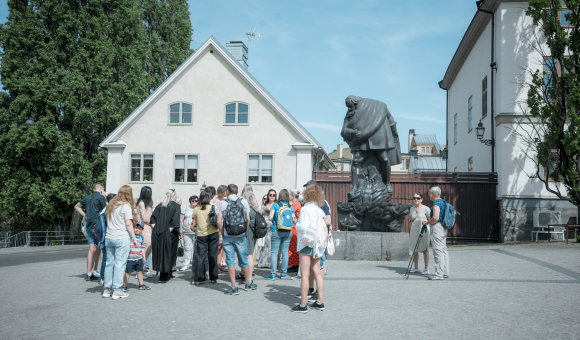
x: 235, y: 219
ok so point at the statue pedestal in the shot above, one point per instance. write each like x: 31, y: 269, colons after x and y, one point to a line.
x: 357, y: 246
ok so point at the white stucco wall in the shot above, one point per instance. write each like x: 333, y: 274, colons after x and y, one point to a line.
x: 223, y: 150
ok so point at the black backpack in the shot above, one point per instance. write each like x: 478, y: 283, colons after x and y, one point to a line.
x: 235, y: 219
x: 260, y: 227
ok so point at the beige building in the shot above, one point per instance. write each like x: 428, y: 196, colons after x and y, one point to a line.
x: 212, y: 122
x: 342, y: 159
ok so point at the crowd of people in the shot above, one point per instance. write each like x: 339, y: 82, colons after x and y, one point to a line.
x: 216, y: 228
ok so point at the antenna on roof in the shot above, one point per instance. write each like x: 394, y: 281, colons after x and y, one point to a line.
x: 253, y: 36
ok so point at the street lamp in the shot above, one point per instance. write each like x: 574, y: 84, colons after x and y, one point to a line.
x: 444, y: 153
x: 480, y: 131
x: 203, y: 186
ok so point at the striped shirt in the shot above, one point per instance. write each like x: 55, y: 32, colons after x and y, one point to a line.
x: 136, y: 253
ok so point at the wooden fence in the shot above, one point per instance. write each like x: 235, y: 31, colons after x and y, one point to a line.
x: 472, y: 194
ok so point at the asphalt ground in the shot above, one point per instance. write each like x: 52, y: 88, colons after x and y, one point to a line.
x: 528, y: 291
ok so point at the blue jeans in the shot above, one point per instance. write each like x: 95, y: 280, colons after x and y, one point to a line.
x: 239, y: 243
x: 280, y: 237
x: 148, y: 261
x: 117, y: 255
x: 103, y: 262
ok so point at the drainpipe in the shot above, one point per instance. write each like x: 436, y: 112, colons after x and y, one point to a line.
x: 493, y: 66
x: 446, y: 121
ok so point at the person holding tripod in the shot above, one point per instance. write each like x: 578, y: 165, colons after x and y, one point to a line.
x: 419, y: 214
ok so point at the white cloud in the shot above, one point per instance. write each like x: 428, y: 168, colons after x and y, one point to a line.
x: 420, y: 118
x: 322, y: 126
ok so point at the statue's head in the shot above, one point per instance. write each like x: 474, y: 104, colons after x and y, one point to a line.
x: 351, y: 102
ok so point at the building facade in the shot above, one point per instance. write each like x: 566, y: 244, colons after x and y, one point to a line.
x: 469, y: 83
x: 212, y: 123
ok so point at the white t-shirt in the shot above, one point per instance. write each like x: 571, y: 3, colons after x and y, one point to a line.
x: 116, y: 229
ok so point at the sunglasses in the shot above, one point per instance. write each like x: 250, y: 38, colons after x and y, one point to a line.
x: 272, y: 195
x: 416, y: 198
x: 195, y: 201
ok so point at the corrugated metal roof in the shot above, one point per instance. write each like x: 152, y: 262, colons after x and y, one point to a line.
x: 427, y: 139
x: 428, y: 164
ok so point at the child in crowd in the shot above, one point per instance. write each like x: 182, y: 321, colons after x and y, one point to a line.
x: 135, y: 261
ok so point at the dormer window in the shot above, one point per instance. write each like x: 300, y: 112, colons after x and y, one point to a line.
x: 237, y: 114
x: 180, y: 114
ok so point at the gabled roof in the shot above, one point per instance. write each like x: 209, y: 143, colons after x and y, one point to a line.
x: 427, y: 139
x: 212, y: 43
x: 428, y: 164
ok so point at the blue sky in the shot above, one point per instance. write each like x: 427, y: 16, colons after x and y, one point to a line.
x: 313, y: 54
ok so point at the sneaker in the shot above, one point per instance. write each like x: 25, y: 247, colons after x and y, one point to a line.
x: 97, y: 274
x: 314, y: 297
x: 307, y: 296
x: 414, y: 270
x: 144, y: 287
x: 297, y: 277
x: 93, y: 277
x: 316, y: 305
x: 270, y: 277
x: 107, y: 293
x: 283, y: 276
x: 124, y: 289
x: 182, y: 269
x: 425, y: 272
x: 101, y: 283
x: 299, y: 309
x: 250, y: 286
x: 435, y: 277
x: 232, y: 291
x: 119, y: 294
x: 87, y: 277
x: 445, y: 276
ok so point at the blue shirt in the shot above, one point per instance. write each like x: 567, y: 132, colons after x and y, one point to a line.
x: 441, y: 204
x: 93, y: 203
x: 276, y: 208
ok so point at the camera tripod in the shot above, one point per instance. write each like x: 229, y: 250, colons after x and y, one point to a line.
x: 423, y: 230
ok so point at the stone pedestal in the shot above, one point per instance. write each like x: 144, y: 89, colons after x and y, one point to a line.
x: 356, y: 246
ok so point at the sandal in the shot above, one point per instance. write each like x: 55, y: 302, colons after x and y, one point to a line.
x: 213, y: 281
x: 144, y: 287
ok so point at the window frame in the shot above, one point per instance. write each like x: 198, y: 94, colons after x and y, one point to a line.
x: 455, y: 129
x: 484, y: 98
x: 236, y: 114
x: 560, y: 18
x: 259, y: 168
x: 470, y: 114
x: 180, y: 113
x: 470, y: 164
x: 559, y: 71
x: 185, y: 178
x: 140, y: 181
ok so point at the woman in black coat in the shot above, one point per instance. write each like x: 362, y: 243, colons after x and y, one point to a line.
x: 165, y: 238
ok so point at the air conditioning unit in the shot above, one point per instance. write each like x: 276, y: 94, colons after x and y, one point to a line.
x: 544, y: 217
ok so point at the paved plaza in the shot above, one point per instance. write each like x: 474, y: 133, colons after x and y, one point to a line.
x: 524, y: 291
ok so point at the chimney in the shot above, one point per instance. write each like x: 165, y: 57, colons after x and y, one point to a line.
x: 413, y: 153
x: 240, y: 52
x: 411, y: 134
x: 340, y: 149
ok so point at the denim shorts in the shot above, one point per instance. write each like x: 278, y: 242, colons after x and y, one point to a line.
x: 136, y: 266
x: 308, y: 251
x: 90, y: 237
x: 240, y: 246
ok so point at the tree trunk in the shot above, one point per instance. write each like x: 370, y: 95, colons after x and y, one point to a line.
x: 75, y: 222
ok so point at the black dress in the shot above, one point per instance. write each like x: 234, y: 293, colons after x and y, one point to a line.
x: 163, y: 242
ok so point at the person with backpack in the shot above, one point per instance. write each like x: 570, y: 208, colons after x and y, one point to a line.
x: 282, y: 216
x: 233, y: 217
x: 312, y: 239
x: 248, y: 195
x: 93, y: 204
x: 438, y: 235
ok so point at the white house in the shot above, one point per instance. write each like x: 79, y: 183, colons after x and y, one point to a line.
x: 211, y: 122
x: 469, y: 83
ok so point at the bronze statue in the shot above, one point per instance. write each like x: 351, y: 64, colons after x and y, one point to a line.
x: 369, y: 129
x: 371, y: 132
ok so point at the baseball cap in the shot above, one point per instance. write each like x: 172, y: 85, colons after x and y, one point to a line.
x: 310, y: 182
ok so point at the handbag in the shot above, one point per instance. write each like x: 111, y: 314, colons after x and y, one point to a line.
x: 180, y: 250
x: 213, y: 216
x: 330, y: 244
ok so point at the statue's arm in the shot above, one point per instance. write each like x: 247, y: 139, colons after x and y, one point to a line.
x: 374, y: 126
x: 346, y: 133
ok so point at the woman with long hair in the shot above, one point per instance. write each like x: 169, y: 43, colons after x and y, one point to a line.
x: 248, y: 195
x: 187, y: 234
x: 207, y: 241
x: 280, y: 237
x: 166, y: 222
x: 143, y: 214
x: 311, y: 218
x: 265, y: 252
x: 120, y: 222
x: 222, y: 192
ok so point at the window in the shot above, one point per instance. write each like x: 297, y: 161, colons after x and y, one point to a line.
x: 180, y: 114
x: 422, y: 150
x: 185, y: 168
x: 470, y: 164
x: 563, y: 21
x: 484, y: 97
x: 408, y: 161
x: 260, y: 168
x: 551, y: 67
x: 141, y: 168
x: 455, y: 128
x: 470, y: 113
x: 236, y: 114
x: 346, y: 167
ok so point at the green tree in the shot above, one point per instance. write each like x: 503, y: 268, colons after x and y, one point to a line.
x: 553, y: 100
x: 78, y: 68
x: 169, y: 36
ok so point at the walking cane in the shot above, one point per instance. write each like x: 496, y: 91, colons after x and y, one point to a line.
x: 423, y: 229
